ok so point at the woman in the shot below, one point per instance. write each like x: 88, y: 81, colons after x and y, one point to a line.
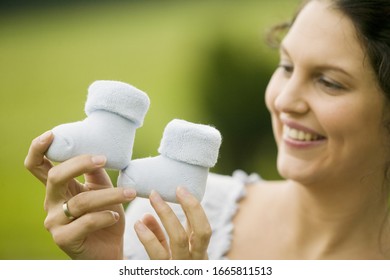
x: 329, y: 104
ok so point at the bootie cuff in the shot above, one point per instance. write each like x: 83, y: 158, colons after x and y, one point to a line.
x: 196, y: 144
x: 118, y: 97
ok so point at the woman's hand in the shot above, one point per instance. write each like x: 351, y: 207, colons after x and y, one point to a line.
x: 190, y: 243
x: 96, y: 232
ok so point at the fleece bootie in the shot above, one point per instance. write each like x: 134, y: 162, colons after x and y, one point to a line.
x: 187, y: 151
x: 114, y: 111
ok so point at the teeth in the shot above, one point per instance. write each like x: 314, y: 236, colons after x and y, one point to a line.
x: 299, y: 134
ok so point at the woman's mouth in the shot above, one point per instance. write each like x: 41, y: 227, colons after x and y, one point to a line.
x: 300, y: 135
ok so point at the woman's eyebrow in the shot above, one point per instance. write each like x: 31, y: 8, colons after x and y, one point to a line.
x: 335, y: 68
x: 323, y: 67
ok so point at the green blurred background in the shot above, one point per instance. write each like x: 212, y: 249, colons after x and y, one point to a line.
x: 203, y: 61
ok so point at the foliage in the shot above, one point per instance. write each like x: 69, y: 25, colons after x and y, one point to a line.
x: 173, y: 50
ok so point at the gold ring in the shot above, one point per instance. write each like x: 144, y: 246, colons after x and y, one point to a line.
x: 66, y: 211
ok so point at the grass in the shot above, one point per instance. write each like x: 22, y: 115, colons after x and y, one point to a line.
x: 49, y: 57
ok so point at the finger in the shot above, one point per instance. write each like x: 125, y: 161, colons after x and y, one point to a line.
x: 91, y: 201
x: 152, y: 245
x: 199, y: 226
x: 178, y: 238
x: 35, y: 161
x: 71, y: 235
x: 60, y: 175
x: 97, y: 179
x: 151, y: 222
x: 75, y: 187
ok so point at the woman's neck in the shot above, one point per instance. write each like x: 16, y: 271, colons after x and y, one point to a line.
x: 331, y: 216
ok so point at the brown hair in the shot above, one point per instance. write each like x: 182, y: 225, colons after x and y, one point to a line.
x: 371, y: 19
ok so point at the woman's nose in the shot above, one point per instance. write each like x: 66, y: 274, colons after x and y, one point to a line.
x: 292, y: 97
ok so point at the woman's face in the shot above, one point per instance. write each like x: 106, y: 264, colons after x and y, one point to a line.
x: 326, y: 106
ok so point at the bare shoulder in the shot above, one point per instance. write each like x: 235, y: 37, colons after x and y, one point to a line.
x: 260, y: 198
x: 256, y: 220
x: 266, y: 189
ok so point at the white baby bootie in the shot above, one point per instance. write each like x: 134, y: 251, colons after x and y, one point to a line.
x: 187, y: 151
x: 114, y: 111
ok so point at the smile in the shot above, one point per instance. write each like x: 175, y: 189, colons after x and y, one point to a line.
x: 299, y: 135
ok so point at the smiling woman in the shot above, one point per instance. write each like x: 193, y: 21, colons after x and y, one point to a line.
x: 329, y: 112
x: 329, y: 108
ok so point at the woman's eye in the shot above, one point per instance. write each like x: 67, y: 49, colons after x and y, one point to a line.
x: 330, y: 84
x: 287, y: 69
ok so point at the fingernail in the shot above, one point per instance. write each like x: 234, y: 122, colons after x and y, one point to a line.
x: 98, y: 160
x: 129, y: 193
x: 139, y: 226
x: 115, y: 215
x: 182, y: 192
x: 87, y: 186
x: 45, y: 136
x: 156, y: 198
